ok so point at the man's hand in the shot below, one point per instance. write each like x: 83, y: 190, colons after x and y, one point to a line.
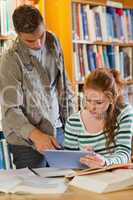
x: 43, y: 141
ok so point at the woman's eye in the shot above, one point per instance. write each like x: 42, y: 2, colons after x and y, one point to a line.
x: 100, y: 102
x: 89, y: 101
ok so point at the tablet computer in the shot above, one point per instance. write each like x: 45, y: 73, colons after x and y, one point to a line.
x: 65, y: 159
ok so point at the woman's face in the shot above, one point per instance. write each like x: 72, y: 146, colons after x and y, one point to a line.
x: 96, y: 103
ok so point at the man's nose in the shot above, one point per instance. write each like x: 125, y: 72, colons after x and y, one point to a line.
x: 38, y: 43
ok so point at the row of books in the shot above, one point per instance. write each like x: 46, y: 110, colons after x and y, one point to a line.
x: 6, y: 9
x: 100, y: 23
x: 89, y: 57
x: 5, y: 155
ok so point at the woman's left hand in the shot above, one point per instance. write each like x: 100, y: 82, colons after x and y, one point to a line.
x: 93, y: 161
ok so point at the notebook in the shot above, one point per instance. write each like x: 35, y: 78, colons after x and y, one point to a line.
x: 65, y: 159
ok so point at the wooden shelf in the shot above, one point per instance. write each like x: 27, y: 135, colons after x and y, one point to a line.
x: 6, y: 37
x: 129, y: 82
x: 121, y: 44
x: 91, y: 2
x: 128, y: 3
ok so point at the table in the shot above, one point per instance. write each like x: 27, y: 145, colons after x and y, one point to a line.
x: 73, y: 194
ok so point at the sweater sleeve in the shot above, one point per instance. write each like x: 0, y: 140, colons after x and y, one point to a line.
x: 13, y: 118
x: 124, y: 134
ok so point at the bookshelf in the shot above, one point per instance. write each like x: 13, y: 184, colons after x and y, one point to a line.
x: 62, y: 23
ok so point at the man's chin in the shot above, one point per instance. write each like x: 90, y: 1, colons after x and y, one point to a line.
x: 36, y: 49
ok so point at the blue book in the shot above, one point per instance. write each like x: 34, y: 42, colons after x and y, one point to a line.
x: 110, y: 22
x: 2, y: 163
x: 65, y: 159
x: 91, y: 58
x: 1, y: 135
x: 111, y: 56
x: 85, y: 23
x: 98, y: 26
x: 131, y: 13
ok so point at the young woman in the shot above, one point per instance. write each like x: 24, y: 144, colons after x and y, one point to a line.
x: 105, y: 125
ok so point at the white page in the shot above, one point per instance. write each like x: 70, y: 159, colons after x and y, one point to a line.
x: 39, y: 185
x: 16, y: 173
x: 105, y: 181
x: 25, y: 181
x: 8, y: 183
x: 51, y: 172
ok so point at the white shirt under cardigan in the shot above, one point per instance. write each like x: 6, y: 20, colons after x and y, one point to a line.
x: 40, y: 54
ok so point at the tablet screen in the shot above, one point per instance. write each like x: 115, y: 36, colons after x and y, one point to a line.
x: 65, y: 159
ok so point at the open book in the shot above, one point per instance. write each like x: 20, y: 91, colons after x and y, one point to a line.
x: 25, y: 181
x: 99, y: 170
x: 107, y: 179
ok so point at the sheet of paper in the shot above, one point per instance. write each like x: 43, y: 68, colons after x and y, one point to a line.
x: 53, y: 172
x: 25, y: 181
x: 40, y: 185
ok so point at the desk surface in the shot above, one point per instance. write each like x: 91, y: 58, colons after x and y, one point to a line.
x: 73, y: 194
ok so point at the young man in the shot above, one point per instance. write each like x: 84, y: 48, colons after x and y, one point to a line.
x: 35, y: 94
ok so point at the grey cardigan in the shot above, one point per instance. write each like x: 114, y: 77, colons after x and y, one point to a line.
x: 25, y: 90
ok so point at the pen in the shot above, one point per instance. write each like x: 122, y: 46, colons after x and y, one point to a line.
x: 49, y: 176
x: 32, y: 170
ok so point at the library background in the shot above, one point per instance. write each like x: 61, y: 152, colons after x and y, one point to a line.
x: 92, y: 34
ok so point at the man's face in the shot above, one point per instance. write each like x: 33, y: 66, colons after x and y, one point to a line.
x: 36, y: 39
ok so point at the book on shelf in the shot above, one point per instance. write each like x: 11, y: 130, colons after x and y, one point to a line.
x: 109, y: 23
x: 114, y: 4
x: 107, y: 179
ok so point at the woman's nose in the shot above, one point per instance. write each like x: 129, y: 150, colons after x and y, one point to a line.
x: 92, y: 106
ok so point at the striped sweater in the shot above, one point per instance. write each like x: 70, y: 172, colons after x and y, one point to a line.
x: 76, y: 137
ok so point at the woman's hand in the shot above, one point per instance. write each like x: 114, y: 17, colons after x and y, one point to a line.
x: 93, y: 161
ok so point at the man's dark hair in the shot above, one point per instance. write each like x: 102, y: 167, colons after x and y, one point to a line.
x: 26, y: 19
